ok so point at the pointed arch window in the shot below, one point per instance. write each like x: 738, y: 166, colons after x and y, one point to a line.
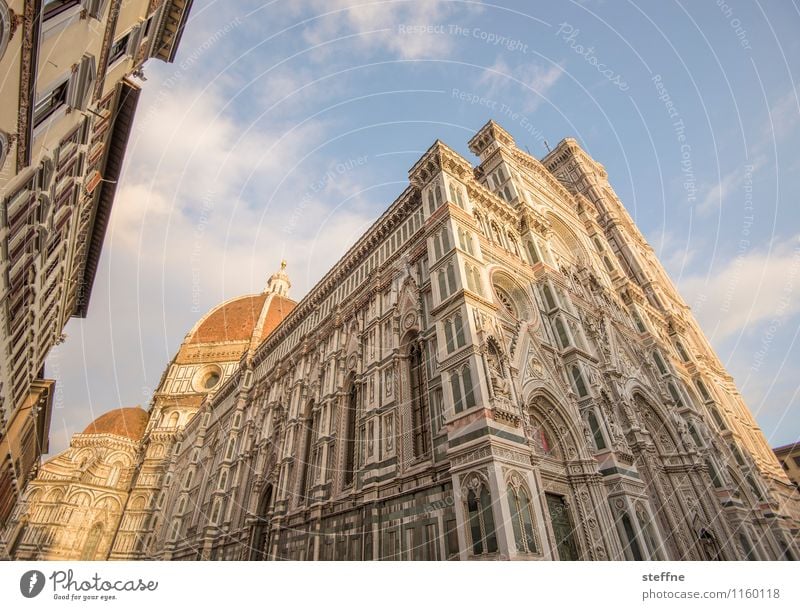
x: 465, y: 240
x: 712, y: 471
x: 533, y: 252
x: 92, y: 543
x: 695, y: 436
x: 561, y: 332
x: 659, y: 362
x: 754, y: 488
x: 630, y: 542
x: 496, y: 234
x: 463, y: 391
x: 350, y: 435
x: 230, y: 449
x: 674, y: 394
x: 597, y: 433
x: 421, y: 420
x: 451, y: 277
x: 521, y: 519
x: 648, y: 530
x: 442, y: 285
x: 305, y: 468
x: 637, y: 320
x: 701, y: 387
x: 749, y: 551
x: 681, y: 350
x: 481, y: 520
x: 549, y: 299
x: 578, y: 381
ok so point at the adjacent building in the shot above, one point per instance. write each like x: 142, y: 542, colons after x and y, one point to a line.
x: 499, y: 368
x: 789, y: 457
x: 68, y: 98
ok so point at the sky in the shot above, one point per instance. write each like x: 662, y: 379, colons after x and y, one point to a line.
x: 284, y: 129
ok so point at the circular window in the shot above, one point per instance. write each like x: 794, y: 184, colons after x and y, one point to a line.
x: 5, y: 27
x: 4, y: 148
x: 506, y: 302
x: 207, y: 378
x: 211, y: 380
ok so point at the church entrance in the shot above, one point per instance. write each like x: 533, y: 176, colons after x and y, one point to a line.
x: 562, y: 528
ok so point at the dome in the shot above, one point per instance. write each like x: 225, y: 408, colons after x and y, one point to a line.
x: 279, y: 308
x: 234, y: 320
x: 129, y: 422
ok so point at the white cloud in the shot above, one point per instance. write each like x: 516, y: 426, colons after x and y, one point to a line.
x: 728, y: 185
x: 377, y: 26
x: 534, y: 81
x: 743, y: 294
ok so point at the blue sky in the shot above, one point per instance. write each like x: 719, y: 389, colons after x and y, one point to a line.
x: 283, y: 129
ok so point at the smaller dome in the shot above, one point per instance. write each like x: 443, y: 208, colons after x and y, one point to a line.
x: 129, y: 422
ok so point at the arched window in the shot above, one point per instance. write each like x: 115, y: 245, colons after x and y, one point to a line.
x: 673, y: 392
x: 216, y: 511
x: 173, y: 420
x: 231, y: 447
x: 181, y: 506
x: 749, y: 551
x: 712, y: 471
x: 350, y: 435
x: 549, y: 299
x: 438, y: 195
x: 561, y: 333
x: 455, y: 195
x: 454, y: 333
x: 597, y: 434
x: 607, y: 263
x: 431, y: 203
x: 637, y: 320
x: 463, y: 391
x: 466, y: 241
x: 451, y: 277
x: 476, y: 279
x: 659, y: 362
x: 521, y: 519
x: 512, y: 243
x: 92, y: 542
x: 308, y: 442
x: 681, y: 350
x: 647, y: 529
x: 694, y: 434
x: 481, y: 520
x: 701, y: 387
x: 187, y: 481
x: 443, y: 294
x: 113, y: 475
x: 716, y: 416
x: 496, y: 235
x: 737, y: 455
x: 578, y: 381
x: 448, y: 336
x: 458, y: 324
x: 630, y: 542
x: 754, y: 488
x: 533, y: 252
x: 470, y: 279
x: 419, y: 405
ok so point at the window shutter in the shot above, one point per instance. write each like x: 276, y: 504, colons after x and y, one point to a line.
x: 82, y: 82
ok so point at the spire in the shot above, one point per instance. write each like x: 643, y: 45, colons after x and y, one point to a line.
x: 279, y: 282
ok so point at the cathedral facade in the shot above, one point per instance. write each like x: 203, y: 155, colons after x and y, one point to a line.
x: 499, y: 368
